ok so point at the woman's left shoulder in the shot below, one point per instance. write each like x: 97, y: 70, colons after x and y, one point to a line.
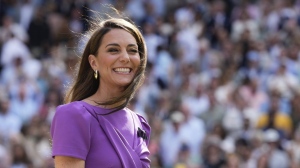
x: 140, y: 116
x: 144, y: 123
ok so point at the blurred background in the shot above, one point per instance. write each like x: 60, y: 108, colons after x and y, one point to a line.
x: 222, y: 87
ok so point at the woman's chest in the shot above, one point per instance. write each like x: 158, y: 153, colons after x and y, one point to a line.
x: 104, y: 148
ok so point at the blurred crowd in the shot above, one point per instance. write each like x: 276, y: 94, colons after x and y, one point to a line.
x: 222, y: 87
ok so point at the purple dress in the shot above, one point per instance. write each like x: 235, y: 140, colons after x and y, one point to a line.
x: 81, y: 130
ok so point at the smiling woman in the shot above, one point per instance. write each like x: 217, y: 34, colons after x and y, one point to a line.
x: 117, y: 61
x: 94, y: 128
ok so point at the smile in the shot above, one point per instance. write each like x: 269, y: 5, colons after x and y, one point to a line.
x: 122, y: 70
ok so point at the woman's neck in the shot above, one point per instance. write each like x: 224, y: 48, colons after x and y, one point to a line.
x: 104, y: 94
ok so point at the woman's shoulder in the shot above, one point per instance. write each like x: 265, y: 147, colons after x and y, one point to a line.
x: 70, y: 106
x: 72, y: 110
x: 144, y: 123
x: 141, y: 117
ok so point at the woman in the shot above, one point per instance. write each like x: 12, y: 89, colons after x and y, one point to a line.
x: 95, y: 129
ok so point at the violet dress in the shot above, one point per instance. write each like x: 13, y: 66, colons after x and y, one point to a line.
x: 82, y: 131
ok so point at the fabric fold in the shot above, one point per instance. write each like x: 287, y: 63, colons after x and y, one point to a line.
x: 128, y: 156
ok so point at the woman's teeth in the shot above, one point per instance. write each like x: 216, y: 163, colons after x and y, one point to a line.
x: 122, y: 70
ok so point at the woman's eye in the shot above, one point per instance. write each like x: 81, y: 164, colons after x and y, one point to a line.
x: 133, y: 51
x: 112, y: 50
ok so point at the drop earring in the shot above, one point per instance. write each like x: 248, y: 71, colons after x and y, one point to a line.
x: 96, y: 74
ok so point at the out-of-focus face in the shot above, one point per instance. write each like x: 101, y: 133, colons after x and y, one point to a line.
x: 4, y: 106
x: 117, y: 59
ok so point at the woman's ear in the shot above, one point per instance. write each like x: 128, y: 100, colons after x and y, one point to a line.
x: 92, y: 61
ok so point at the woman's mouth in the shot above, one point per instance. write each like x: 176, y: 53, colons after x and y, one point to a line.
x: 122, y: 70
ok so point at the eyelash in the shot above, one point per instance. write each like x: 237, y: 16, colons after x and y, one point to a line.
x: 113, y: 50
x: 134, y: 50
x: 116, y: 50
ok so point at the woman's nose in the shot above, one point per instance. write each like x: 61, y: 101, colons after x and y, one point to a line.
x: 124, y: 57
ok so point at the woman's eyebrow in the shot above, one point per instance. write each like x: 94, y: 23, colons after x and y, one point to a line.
x: 115, y: 44
x: 132, y: 45
x: 112, y: 44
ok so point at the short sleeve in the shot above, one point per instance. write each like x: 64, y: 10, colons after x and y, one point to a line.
x: 143, y: 150
x: 70, y: 131
x: 146, y: 127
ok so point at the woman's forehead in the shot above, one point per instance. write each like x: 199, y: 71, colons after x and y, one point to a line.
x: 118, y: 36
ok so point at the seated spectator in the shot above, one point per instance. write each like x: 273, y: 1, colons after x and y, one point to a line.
x: 214, y: 114
x: 293, y: 148
x: 213, y: 155
x: 10, y: 124
x: 274, y: 155
x: 171, y: 139
x: 20, y: 157
x: 275, y: 119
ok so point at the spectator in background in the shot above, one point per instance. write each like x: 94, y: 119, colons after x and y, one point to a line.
x: 135, y: 9
x: 12, y: 49
x: 214, y: 114
x: 273, y: 155
x: 283, y: 81
x: 232, y: 160
x: 20, y: 157
x: 250, y: 89
x: 247, y: 132
x: 171, y: 139
x: 193, y: 131
x: 163, y: 66
x: 186, y: 37
x: 184, y: 159
x: 10, y: 27
x: 243, y: 152
x: 37, y: 142
x: 17, y: 63
x: 293, y: 148
x: 198, y: 101
x: 244, y: 23
x: 52, y: 100
x: 164, y: 106
x: 149, y: 94
x: 217, y: 18
x: 275, y: 119
x: 153, y: 41
x: 39, y: 34
x: 213, y: 155
x: 23, y: 103
x: 295, y: 111
x: 27, y: 9
x: 5, y: 157
x: 234, y: 114
x: 10, y: 124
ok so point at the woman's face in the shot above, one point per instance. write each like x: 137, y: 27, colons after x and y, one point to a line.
x: 117, y: 59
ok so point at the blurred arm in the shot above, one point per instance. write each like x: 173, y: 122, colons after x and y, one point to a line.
x: 68, y: 162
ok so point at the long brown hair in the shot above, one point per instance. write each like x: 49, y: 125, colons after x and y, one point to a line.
x: 85, y: 85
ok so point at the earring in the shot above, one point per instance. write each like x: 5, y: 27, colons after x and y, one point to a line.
x: 96, y: 74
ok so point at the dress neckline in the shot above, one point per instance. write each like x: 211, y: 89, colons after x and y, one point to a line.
x: 98, y: 109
